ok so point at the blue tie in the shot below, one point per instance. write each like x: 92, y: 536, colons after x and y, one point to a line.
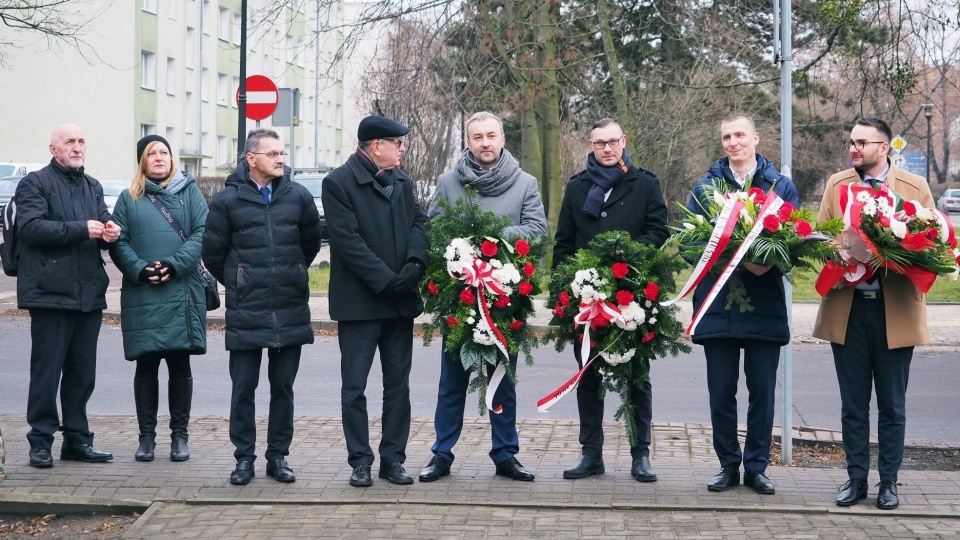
x: 265, y: 193
x: 874, y: 183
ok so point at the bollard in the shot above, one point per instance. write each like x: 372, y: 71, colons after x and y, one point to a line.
x: 3, y: 459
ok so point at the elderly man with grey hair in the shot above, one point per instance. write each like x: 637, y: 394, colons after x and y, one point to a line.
x: 503, y: 188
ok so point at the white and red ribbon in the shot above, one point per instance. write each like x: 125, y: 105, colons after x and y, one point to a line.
x: 479, y: 273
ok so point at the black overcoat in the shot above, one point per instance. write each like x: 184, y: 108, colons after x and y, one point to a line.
x: 635, y: 205
x: 371, y: 237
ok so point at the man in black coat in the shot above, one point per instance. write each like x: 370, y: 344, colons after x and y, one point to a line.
x: 611, y: 194
x: 378, y: 244
x: 262, y: 233
x: 62, y: 224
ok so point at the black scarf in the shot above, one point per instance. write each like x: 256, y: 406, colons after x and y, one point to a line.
x: 384, y: 177
x: 603, y: 178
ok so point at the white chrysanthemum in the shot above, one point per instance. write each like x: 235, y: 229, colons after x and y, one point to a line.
x: 654, y: 311
x: 471, y: 320
x: 482, y: 334
x: 459, y: 248
x: 586, y: 282
x: 924, y: 214
x: 648, y: 303
x: 898, y: 228
x: 473, y: 313
x: 613, y: 359
x: 633, y: 316
x: 456, y: 266
x: 496, y: 263
x: 870, y: 208
x: 653, y: 321
x: 507, y: 274
x: 884, y: 207
x: 864, y: 196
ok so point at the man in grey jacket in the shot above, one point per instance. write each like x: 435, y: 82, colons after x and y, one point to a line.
x: 501, y: 187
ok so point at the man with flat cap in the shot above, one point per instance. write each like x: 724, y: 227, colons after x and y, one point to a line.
x: 378, y: 244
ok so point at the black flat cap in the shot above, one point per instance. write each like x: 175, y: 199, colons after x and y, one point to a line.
x: 380, y: 127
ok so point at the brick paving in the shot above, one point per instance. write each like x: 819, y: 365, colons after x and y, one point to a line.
x: 195, y: 500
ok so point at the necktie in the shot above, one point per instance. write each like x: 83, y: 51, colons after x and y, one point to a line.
x: 873, y: 182
x: 265, y: 193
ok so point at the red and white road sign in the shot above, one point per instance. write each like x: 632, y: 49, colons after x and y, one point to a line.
x: 262, y: 97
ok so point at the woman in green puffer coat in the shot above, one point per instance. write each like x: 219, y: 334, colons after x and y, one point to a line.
x: 163, y: 306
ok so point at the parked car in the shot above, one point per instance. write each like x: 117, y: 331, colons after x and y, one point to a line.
x: 8, y: 186
x: 312, y: 179
x: 111, y: 192
x: 949, y: 201
x: 19, y: 169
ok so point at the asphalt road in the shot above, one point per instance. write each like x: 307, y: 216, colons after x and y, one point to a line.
x: 680, y: 392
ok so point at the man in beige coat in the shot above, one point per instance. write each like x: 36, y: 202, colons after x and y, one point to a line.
x: 873, y: 327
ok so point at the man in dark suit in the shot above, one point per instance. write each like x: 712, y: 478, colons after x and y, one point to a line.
x: 873, y: 327
x: 378, y: 244
x: 611, y: 194
x: 263, y: 231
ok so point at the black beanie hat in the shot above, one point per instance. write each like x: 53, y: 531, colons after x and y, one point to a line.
x: 142, y: 145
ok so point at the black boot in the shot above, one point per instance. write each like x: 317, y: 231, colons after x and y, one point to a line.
x: 146, y: 394
x: 181, y: 396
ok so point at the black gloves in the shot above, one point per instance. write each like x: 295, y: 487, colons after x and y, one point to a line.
x: 159, y: 272
x: 169, y: 269
x: 146, y: 274
x: 408, y: 277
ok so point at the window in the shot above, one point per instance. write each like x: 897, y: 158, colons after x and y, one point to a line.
x: 148, y: 70
x: 191, y: 54
x: 290, y: 50
x: 237, y: 20
x: 223, y: 155
x: 204, y: 142
x: 190, y: 113
x: 299, y: 52
x: 171, y: 76
x: 204, y: 85
x: 205, y: 17
x: 223, y: 26
x: 147, y: 129
x: 277, y: 44
x: 150, y: 6
x: 223, y: 89
x: 172, y: 9
x: 171, y: 136
x: 234, y: 86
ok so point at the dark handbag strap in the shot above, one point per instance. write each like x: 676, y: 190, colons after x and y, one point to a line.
x: 169, y: 217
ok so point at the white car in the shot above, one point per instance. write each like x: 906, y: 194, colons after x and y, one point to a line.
x: 19, y: 169
x: 111, y: 192
x: 949, y: 201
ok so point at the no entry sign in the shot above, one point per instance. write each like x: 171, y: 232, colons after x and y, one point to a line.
x: 262, y: 97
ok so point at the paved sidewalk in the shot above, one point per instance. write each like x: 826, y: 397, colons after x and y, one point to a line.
x: 195, y: 500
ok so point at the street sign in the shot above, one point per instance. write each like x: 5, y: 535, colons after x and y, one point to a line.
x: 262, y: 97
x: 898, y: 143
x: 898, y: 160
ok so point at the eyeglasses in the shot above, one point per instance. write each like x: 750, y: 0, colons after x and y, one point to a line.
x: 861, y: 144
x: 614, y: 143
x: 271, y: 155
x: 398, y: 141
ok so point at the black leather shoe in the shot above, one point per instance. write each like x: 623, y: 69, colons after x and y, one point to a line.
x: 888, y: 499
x: 727, y: 478
x: 395, y: 473
x: 145, y: 452
x: 83, y: 452
x: 41, y: 458
x: 243, y: 474
x: 851, y: 492
x: 587, y: 466
x: 361, y: 477
x: 512, y: 469
x: 280, y: 471
x: 437, y: 467
x: 642, y: 471
x: 758, y: 482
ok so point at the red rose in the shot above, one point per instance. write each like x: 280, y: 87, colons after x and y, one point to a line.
x: 522, y: 247
x: 651, y: 291
x: 565, y: 298
x: 529, y: 269
x: 803, y: 229
x: 558, y: 311
x: 649, y: 337
x: 916, y: 242
x: 502, y: 301
x: 771, y: 223
x: 931, y: 233
x: 516, y: 325
x: 909, y: 208
x: 488, y: 248
x: 432, y: 288
x: 451, y: 320
x: 624, y: 297
x: 600, y: 322
x: 525, y: 288
x: 467, y: 296
x: 952, y: 242
x: 620, y: 270
x: 785, y: 212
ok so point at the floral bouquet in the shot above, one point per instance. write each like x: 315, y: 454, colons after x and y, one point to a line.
x: 479, y: 289
x: 750, y: 226
x: 606, y: 300
x: 883, y: 231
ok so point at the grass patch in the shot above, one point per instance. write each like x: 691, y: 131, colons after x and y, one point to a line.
x: 319, y: 278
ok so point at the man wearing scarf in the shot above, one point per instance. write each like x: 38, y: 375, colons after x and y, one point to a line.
x: 503, y: 188
x: 378, y: 244
x: 611, y: 194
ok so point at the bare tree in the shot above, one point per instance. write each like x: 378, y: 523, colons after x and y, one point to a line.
x: 59, y: 23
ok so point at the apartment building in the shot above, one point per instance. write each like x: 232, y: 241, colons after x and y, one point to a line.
x: 172, y: 68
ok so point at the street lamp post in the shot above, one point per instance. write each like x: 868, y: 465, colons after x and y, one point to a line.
x: 928, y: 113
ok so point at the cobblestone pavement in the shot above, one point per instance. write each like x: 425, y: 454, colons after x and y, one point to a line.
x: 195, y: 500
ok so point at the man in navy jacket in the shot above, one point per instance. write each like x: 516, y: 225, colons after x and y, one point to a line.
x: 759, y: 333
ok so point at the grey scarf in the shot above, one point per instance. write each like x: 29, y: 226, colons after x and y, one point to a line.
x: 488, y: 183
